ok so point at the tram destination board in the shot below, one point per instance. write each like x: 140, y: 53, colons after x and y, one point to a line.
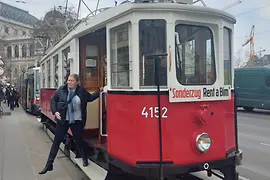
x: 188, y: 94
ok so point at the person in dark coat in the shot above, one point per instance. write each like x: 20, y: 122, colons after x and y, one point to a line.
x: 12, y: 98
x: 8, y: 95
x: 17, y: 98
x: 69, y: 105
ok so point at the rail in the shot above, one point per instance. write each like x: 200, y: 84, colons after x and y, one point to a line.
x: 101, y: 116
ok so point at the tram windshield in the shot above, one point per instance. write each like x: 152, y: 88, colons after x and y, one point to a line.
x: 152, y: 40
x: 194, y: 55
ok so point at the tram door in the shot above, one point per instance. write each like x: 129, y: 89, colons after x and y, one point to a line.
x: 30, y: 93
x: 93, y: 51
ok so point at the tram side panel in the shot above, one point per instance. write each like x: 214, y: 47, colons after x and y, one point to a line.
x: 134, y: 134
x: 45, y: 97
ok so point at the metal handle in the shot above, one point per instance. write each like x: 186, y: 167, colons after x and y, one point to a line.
x: 100, y: 115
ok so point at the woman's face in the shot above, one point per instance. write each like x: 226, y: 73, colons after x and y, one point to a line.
x: 72, y: 83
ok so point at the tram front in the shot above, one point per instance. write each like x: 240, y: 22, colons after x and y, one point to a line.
x: 186, y: 72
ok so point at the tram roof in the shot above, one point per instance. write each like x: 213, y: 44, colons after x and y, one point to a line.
x: 82, y: 28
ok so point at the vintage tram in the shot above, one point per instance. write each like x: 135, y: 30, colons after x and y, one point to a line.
x: 30, y: 90
x: 169, y: 104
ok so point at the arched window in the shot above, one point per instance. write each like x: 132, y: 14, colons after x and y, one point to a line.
x: 9, y: 52
x: 16, y: 73
x: 31, y: 48
x: 16, y: 51
x: 24, y: 51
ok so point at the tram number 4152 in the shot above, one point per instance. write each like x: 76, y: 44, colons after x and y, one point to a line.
x: 152, y: 112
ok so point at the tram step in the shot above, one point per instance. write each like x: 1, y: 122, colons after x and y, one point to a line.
x: 93, y: 171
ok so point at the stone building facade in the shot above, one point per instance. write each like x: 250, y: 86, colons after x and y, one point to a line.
x: 17, y: 45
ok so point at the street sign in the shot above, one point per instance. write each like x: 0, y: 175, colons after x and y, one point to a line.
x: 1, y: 71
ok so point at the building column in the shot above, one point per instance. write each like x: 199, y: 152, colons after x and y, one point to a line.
x: 6, y: 52
x: 20, y: 50
x: 28, y: 50
x: 13, y: 50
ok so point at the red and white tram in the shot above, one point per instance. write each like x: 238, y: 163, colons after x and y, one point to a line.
x: 172, y: 57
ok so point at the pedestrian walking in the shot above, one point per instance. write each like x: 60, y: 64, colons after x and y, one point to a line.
x: 17, y: 98
x: 12, y: 98
x: 69, y: 104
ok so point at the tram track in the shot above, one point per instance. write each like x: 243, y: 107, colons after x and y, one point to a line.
x: 254, y: 130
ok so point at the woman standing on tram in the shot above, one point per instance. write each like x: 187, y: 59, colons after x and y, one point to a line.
x: 68, y: 104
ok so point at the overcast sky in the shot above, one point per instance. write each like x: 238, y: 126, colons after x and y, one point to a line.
x: 247, y: 13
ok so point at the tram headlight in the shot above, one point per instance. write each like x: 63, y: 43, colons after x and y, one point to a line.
x: 203, y: 142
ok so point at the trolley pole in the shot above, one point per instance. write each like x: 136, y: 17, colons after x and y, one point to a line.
x: 156, y: 57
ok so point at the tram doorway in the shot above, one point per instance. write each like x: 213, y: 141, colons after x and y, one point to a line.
x: 93, y: 75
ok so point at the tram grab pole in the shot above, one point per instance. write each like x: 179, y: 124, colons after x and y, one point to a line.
x: 156, y: 57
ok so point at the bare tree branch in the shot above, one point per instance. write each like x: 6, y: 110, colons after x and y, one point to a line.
x: 53, y: 26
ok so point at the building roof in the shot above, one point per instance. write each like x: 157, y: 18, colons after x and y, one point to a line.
x: 16, y: 14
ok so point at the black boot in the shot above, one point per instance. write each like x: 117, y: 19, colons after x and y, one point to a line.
x: 49, y: 165
x: 46, y: 169
x: 85, y: 162
x: 84, y: 157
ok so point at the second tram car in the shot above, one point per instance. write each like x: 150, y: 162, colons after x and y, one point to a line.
x: 169, y: 105
x: 30, y: 90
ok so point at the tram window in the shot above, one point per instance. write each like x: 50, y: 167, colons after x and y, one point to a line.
x: 43, y: 75
x: 120, y: 60
x: 37, y: 82
x: 90, y: 64
x: 227, y: 56
x: 66, y: 64
x: 49, y: 73
x: 152, y: 38
x: 55, y: 60
x: 195, y: 63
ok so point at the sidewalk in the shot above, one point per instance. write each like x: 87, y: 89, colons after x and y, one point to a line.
x: 24, y: 148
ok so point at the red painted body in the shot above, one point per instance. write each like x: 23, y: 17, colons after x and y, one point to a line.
x: 45, y: 98
x: 132, y: 137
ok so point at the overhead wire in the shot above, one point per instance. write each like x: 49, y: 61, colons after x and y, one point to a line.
x: 262, y: 32
x: 252, y: 10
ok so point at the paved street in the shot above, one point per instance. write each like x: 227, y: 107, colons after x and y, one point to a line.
x: 24, y: 148
x: 254, y: 133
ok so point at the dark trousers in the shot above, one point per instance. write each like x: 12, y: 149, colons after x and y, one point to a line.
x: 61, y: 130
x: 17, y: 103
x: 12, y: 104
